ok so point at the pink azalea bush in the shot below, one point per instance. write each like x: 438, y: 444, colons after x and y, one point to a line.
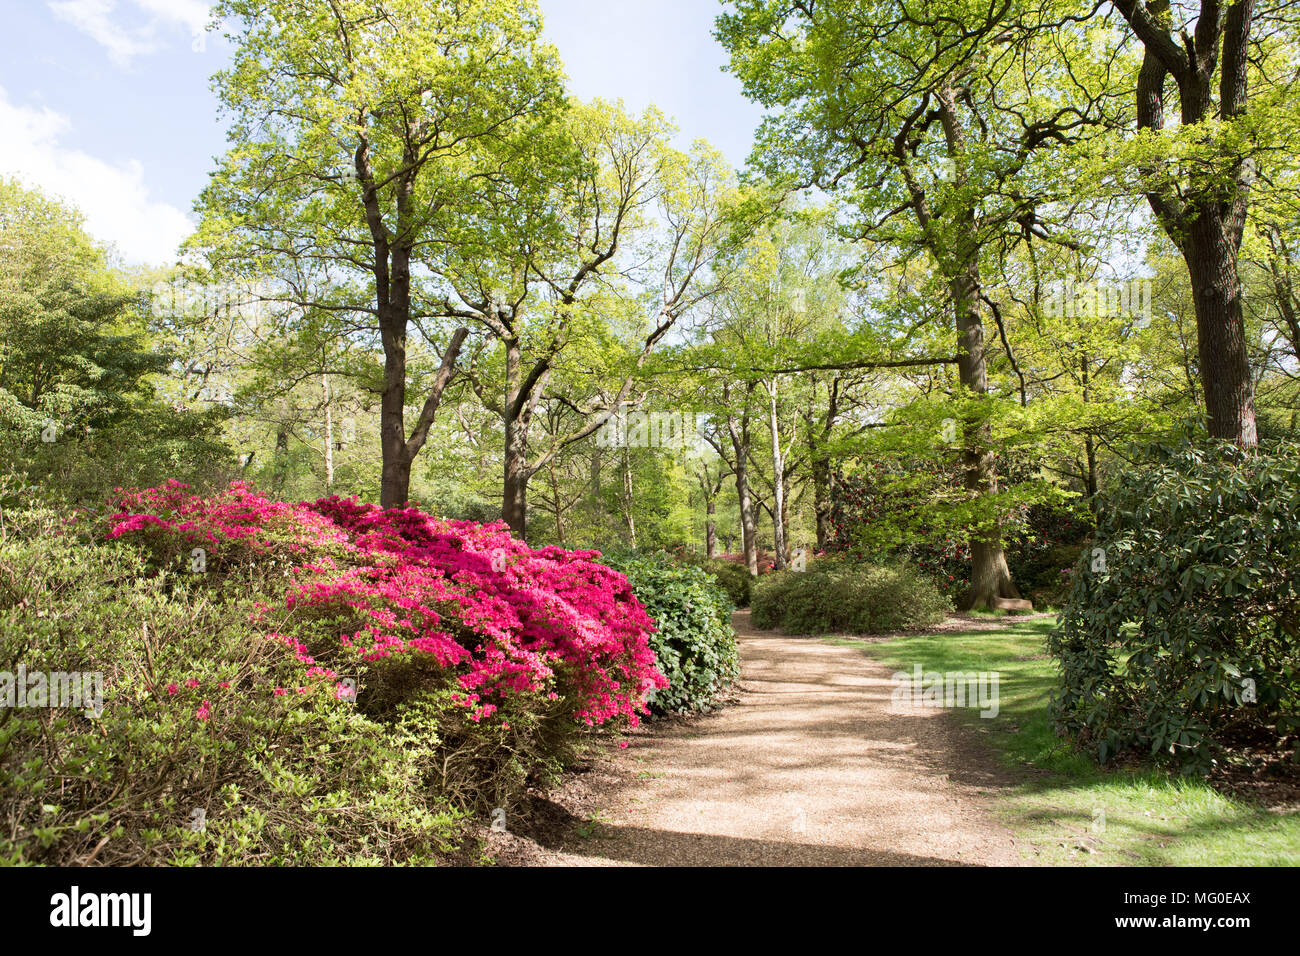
x: 464, y: 601
x: 237, y: 524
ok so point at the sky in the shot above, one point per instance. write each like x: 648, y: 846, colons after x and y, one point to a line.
x: 107, y: 103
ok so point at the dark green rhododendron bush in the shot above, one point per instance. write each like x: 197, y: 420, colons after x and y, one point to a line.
x: 693, y: 641
x: 1181, y: 637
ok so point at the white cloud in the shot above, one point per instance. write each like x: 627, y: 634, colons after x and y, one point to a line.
x: 94, y: 18
x: 113, y: 198
x: 189, y: 13
x: 102, y: 22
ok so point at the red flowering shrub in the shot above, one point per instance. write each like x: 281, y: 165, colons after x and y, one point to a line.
x: 444, y: 601
x: 233, y: 527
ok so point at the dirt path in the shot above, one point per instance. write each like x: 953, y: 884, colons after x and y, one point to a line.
x: 813, y: 765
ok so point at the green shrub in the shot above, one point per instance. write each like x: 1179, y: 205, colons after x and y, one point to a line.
x: 854, y: 597
x: 480, y: 766
x: 733, y: 578
x: 695, y: 643
x: 1187, y: 607
x: 208, y: 706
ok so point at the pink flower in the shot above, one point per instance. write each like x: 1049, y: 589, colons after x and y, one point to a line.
x: 172, y: 688
x: 203, y: 711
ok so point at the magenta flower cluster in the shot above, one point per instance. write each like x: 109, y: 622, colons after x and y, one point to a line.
x: 237, y: 520
x: 499, y: 617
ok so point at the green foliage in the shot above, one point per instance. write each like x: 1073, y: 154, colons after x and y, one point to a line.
x: 79, y: 413
x: 151, y: 447
x: 904, y: 513
x: 695, y: 643
x: 203, y: 712
x: 479, y: 766
x: 1045, y: 544
x: 1188, y: 607
x: 848, y: 597
x: 72, y: 354
x: 733, y: 578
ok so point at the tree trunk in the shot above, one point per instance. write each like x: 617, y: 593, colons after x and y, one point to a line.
x: 392, y: 270
x: 395, y: 479
x: 1221, y: 331
x: 748, y: 531
x: 395, y: 486
x: 778, y: 479
x: 1089, y: 443
x: 740, y: 448
x: 514, y: 502
x: 710, y: 489
x: 628, y: 498
x: 398, y: 451
x: 514, y: 491
x: 281, y: 469
x: 821, y: 475
x: 787, y: 544
x: 393, y: 294
x: 711, y: 530
x: 990, y: 578
x: 1205, y: 219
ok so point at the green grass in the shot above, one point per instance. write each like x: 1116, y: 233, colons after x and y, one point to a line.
x: 1065, y: 808
x: 594, y: 827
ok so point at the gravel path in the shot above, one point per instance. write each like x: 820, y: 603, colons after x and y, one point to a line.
x: 812, y: 765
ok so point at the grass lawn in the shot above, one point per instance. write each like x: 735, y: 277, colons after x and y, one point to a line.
x: 1067, y: 809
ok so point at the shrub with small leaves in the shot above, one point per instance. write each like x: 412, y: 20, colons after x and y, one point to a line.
x: 847, y: 596
x: 212, y: 747
x: 325, y: 683
x: 735, y: 579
